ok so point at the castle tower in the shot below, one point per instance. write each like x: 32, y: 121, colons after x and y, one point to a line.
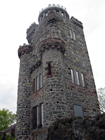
x: 55, y: 78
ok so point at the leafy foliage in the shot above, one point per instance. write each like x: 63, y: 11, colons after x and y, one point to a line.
x: 101, y: 98
x: 6, y: 118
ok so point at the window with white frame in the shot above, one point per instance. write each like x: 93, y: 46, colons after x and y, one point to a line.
x: 37, y: 82
x: 38, y: 116
x: 72, y: 75
x: 82, y: 77
x: 74, y: 37
x: 71, y: 34
x: 77, y: 77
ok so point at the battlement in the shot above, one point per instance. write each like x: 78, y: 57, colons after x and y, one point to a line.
x: 77, y: 22
x: 30, y: 31
x: 57, y: 8
x: 24, y: 49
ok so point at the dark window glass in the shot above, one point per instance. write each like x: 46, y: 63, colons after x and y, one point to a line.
x: 35, y: 117
x: 49, y: 69
x: 78, y: 111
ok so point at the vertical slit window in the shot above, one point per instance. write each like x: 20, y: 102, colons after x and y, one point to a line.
x: 34, y: 85
x: 42, y: 114
x: 35, y: 117
x: 72, y: 75
x: 83, y: 82
x: 37, y: 85
x: 71, y: 34
x: 49, y: 69
x: 40, y: 80
x: 77, y: 76
x: 74, y: 37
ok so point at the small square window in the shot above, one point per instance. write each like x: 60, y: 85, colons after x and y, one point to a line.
x: 78, y: 112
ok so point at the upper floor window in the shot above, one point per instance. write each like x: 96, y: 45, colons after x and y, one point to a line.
x: 83, y: 82
x: 78, y: 112
x: 72, y: 75
x: 37, y: 82
x: 71, y: 34
x: 62, y: 13
x: 49, y: 68
x: 77, y: 76
x: 40, y: 80
x: 46, y: 14
x: 74, y: 37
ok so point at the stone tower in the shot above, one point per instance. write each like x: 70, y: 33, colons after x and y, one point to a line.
x: 55, y: 77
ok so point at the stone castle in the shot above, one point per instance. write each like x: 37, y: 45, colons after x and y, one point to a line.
x: 55, y: 77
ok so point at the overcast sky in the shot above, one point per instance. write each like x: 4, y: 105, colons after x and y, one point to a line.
x: 17, y: 15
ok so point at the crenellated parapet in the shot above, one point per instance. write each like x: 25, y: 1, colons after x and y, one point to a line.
x: 57, y: 9
x: 52, y: 43
x: 24, y: 49
x: 77, y: 22
x: 30, y: 31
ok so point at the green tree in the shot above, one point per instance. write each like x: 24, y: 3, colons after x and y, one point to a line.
x: 6, y: 118
x: 101, y: 98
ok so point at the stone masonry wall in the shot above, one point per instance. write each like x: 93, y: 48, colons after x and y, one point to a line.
x: 51, y: 43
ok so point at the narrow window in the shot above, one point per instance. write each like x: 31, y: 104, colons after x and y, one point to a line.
x: 72, y: 75
x: 77, y: 76
x: 38, y: 116
x: 35, y: 117
x: 40, y: 80
x: 62, y: 13
x: 49, y: 69
x: 74, y: 37
x: 83, y: 82
x: 37, y: 85
x: 46, y: 14
x: 34, y: 85
x: 42, y: 114
x: 78, y: 112
x: 71, y: 34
